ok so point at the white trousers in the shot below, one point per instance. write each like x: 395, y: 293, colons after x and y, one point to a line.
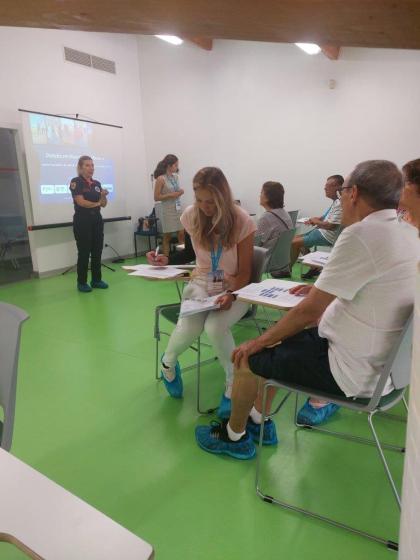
x: 216, y: 325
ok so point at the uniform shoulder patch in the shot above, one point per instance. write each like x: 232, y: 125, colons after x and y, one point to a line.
x: 72, y: 185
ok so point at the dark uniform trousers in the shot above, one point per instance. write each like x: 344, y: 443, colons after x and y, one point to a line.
x: 88, y: 228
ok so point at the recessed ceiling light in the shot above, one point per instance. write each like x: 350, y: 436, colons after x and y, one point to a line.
x: 173, y: 39
x: 309, y: 48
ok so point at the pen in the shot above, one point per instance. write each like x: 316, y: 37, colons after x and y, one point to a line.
x: 156, y: 252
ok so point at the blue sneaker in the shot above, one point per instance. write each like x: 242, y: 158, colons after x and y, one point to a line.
x: 84, y: 288
x: 101, y: 285
x: 225, y: 407
x: 269, y: 433
x: 215, y: 439
x: 175, y: 387
x: 311, y: 416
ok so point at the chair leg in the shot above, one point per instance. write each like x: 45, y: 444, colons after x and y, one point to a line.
x: 343, y: 435
x: 405, y: 403
x: 257, y: 325
x: 269, y: 499
x: 198, y: 366
x: 157, y: 338
x: 384, y: 462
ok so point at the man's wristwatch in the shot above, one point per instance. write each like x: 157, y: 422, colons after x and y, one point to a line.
x: 232, y: 294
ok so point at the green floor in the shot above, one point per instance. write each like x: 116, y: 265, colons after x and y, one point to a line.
x: 91, y: 417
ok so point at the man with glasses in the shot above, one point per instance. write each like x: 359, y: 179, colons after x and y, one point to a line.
x: 326, y: 227
x: 359, y: 304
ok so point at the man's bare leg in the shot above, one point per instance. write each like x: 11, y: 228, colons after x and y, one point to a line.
x: 295, y: 248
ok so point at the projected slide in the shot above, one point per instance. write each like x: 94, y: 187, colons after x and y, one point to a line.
x: 53, y: 145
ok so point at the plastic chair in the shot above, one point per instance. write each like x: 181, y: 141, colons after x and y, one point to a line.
x: 280, y: 255
x: 11, y: 319
x: 398, y: 368
x: 171, y: 313
x: 293, y: 216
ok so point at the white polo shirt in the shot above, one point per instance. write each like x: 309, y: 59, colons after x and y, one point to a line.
x: 372, y: 271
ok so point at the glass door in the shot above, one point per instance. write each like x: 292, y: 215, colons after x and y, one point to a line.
x: 15, y: 254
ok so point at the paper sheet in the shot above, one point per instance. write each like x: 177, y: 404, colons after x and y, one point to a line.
x: 193, y: 306
x: 157, y: 272
x: 317, y: 258
x: 272, y: 292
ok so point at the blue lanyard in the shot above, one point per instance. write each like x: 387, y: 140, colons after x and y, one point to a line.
x: 174, y: 182
x: 215, y: 257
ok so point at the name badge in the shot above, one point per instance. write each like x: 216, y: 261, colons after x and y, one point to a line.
x: 215, y: 282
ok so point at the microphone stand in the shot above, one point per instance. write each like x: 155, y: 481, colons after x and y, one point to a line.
x: 119, y: 258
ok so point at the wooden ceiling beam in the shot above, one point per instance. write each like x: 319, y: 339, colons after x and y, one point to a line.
x: 331, y: 51
x: 355, y: 23
x: 202, y: 42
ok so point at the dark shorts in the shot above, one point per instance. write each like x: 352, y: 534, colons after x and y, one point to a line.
x: 301, y: 359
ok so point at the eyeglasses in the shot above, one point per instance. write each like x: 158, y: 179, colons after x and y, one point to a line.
x: 338, y: 193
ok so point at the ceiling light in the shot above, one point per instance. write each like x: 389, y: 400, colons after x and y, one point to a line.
x: 309, y: 48
x: 170, y: 39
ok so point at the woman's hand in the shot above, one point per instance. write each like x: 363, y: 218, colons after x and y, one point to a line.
x: 301, y: 290
x: 245, y: 350
x: 225, y: 301
x: 177, y: 194
x: 160, y: 260
x: 104, y: 192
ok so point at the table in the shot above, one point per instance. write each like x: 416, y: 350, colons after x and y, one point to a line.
x: 256, y: 300
x: 49, y: 523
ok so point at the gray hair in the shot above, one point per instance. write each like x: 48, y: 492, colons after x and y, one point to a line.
x: 379, y: 182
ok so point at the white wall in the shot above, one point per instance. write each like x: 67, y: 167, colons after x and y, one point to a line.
x: 410, y: 535
x: 35, y: 76
x: 263, y: 111
x: 260, y: 111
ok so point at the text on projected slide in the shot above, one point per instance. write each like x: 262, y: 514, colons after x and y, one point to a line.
x: 58, y: 143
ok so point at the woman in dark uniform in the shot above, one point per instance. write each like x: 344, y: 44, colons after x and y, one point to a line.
x: 88, y: 197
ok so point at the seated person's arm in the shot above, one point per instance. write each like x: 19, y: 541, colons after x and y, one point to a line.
x: 349, y: 254
x: 81, y: 201
x: 315, y: 221
x: 305, y: 314
x: 245, y: 253
x: 328, y: 225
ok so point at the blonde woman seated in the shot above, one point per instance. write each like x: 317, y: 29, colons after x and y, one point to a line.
x: 222, y: 235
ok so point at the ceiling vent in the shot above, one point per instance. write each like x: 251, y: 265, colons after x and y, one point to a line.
x: 90, y: 60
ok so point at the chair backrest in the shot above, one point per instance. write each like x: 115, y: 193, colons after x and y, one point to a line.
x: 259, y: 262
x: 11, y: 319
x: 293, y: 216
x: 398, y: 364
x: 280, y: 255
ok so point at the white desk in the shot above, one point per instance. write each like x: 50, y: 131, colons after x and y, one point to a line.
x: 49, y: 523
x: 317, y: 259
x: 254, y: 294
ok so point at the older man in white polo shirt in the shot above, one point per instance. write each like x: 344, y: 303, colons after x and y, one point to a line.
x: 360, y: 303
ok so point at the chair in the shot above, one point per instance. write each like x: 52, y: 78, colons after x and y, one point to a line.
x: 280, y: 255
x: 293, y: 216
x: 11, y: 319
x: 147, y: 227
x: 171, y: 313
x: 398, y: 368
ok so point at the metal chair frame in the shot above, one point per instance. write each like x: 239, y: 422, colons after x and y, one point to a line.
x: 397, y: 367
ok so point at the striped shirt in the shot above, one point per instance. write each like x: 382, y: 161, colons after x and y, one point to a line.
x: 333, y: 216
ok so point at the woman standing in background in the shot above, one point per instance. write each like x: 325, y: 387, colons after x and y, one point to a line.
x: 88, y: 227
x: 168, y: 193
